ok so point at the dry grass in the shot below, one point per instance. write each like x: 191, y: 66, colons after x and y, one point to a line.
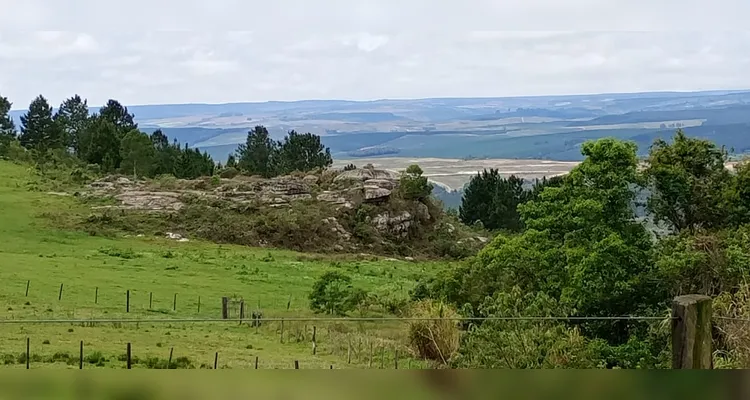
x: 733, y: 342
x: 436, y: 340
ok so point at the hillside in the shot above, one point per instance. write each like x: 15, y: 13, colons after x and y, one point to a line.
x: 168, y: 278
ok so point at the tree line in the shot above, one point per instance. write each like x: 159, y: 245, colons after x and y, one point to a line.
x: 111, y: 139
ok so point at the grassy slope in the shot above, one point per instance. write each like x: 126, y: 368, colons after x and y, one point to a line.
x: 31, y: 249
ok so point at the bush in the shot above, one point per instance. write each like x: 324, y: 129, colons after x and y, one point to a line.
x: 229, y: 173
x: 435, y: 340
x: 333, y: 294
x: 414, y: 186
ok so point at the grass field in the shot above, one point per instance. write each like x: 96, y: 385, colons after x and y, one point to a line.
x: 34, y: 251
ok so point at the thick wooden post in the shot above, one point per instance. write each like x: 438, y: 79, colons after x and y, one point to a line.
x: 691, y: 332
x: 127, y: 355
x: 127, y: 301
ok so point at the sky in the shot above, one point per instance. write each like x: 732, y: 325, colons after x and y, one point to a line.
x: 219, y: 51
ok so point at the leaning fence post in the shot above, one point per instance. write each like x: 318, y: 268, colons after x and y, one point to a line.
x: 691, y: 332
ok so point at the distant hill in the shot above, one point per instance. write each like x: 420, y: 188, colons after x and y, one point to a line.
x: 544, y: 127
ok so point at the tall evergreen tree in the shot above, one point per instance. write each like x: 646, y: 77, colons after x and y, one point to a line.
x: 137, y: 154
x: 73, y: 117
x: 166, y: 154
x: 257, y: 155
x: 493, y: 200
x: 39, y: 131
x: 118, y: 115
x: 7, y: 127
x: 100, y: 144
x: 303, y: 152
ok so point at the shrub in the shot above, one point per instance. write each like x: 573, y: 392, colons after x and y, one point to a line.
x: 333, y: 293
x: 350, y: 167
x: 229, y: 173
x: 436, y: 339
x: 414, y: 186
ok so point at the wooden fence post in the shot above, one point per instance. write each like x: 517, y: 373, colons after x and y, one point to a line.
x: 216, y: 360
x: 691, y: 332
x: 314, y: 343
x: 127, y: 355
x: 170, y: 357
x: 27, y: 287
x: 127, y: 301
x: 256, y: 362
x: 174, y: 304
x: 80, y: 358
x: 296, y: 364
x: 150, y: 300
x: 96, y: 295
x: 59, y: 297
x: 224, y: 307
x: 28, y: 352
x: 199, y: 304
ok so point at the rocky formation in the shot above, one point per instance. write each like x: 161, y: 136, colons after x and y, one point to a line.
x: 369, y: 185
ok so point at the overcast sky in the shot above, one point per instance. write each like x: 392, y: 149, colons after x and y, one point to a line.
x: 165, y: 51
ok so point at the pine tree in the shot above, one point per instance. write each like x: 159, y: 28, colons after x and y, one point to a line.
x: 303, y: 152
x: 100, y: 144
x: 257, y: 155
x: 38, y: 129
x: 7, y: 127
x: 73, y: 118
x: 118, y: 115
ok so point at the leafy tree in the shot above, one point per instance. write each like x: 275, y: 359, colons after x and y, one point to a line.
x: 118, y: 115
x: 303, y: 152
x: 99, y: 144
x: 7, y: 127
x: 257, y: 155
x: 689, y: 183
x: 414, y: 186
x: 493, y: 200
x: 581, y: 246
x: 73, y: 118
x: 332, y: 294
x: 137, y: 153
x: 38, y: 129
x: 539, y: 185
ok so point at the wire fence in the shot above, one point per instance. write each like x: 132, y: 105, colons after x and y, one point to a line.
x: 357, y: 348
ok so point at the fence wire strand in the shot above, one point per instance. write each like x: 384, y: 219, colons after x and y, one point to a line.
x: 325, y: 319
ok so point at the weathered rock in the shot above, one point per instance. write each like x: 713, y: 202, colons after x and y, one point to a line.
x: 423, y: 213
x: 382, y: 183
x: 337, y: 228
x: 331, y: 197
x: 397, y: 225
x: 123, y: 181
x: 364, y: 174
x: 310, y: 180
x: 155, y: 201
x: 375, y: 194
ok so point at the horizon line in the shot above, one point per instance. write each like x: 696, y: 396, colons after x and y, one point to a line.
x: 405, y: 99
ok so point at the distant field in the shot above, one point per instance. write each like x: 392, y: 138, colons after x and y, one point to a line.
x: 455, y: 173
x: 275, y: 282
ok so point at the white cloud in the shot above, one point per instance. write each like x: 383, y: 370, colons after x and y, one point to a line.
x: 173, y: 51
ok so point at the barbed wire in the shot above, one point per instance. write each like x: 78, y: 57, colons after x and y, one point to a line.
x: 734, y: 319
x: 325, y: 319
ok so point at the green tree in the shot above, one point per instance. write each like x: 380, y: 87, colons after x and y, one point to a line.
x: 258, y: 155
x: 493, y: 200
x: 333, y: 293
x: 414, y: 186
x: 73, y: 118
x: 231, y: 161
x: 7, y: 127
x: 38, y: 129
x: 137, y: 153
x: 99, y: 144
x: 118, y: 115
x: 582, y: 246
x: 166, y: 154
x: 303, y: 152
x: 689, y: 183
